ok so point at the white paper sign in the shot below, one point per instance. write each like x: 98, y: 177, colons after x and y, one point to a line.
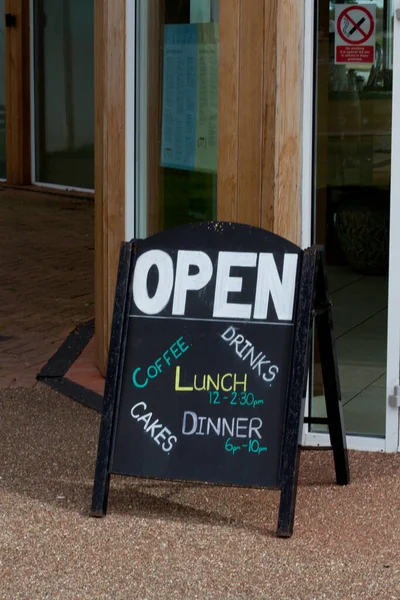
x: 190, y: 97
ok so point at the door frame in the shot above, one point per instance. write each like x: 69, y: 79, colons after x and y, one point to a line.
x: 393, y: 346
x: 357, y: 442
x: 131, y: 156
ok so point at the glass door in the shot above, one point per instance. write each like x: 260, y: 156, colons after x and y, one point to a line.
x: 353, y: 204
x: 63, y: 57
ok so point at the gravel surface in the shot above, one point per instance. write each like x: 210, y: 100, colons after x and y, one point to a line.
x: 176, y: 540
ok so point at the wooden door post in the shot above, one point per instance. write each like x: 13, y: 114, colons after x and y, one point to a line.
x: 109, y: 162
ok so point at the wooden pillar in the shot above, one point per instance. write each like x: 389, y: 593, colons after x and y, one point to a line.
x: 18, y: 145
x: 260, y: 118
x: 109, y: 162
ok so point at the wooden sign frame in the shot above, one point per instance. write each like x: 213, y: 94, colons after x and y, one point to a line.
x: 313, y: 305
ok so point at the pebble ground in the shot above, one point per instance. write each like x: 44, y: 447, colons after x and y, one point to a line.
x: 174, y: 540
x: 159, y: 540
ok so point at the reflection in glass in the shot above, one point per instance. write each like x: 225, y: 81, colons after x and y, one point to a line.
x: 353, y: 139
x: 177, y: 99
x: 2, y: 95
x: 64, y: 92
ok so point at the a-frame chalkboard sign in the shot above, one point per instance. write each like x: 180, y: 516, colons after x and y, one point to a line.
x: 208, y: 361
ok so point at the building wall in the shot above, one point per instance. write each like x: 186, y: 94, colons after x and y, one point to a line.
x: 259, y: 145
x: 260, y: 97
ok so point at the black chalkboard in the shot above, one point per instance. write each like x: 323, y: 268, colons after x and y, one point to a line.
x: 208, y: 361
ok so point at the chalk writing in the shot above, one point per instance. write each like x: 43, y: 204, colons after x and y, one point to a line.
x: 255, y: 446
x: 163, y: 362
x: 247, y: 352
x: 176, y: 282
x: 152, y: 425
x: 239, y: 427
x: 252, y: 447
x: 220, y: 381
x: 235, y: 399
x: 229, y: 447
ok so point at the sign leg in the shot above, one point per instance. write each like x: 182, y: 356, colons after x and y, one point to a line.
x: 330, y: 375
x: 100, y: 494
x: 102, y: 473
x: 295, y: 405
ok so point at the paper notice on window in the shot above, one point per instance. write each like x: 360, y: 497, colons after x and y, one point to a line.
x: 190, y: 97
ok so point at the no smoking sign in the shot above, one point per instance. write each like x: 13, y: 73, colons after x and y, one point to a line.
x: 355, y: 33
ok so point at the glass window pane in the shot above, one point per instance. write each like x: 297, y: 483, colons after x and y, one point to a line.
x: 64, y: 92
x: 177, y: 100
x: 352, y: 198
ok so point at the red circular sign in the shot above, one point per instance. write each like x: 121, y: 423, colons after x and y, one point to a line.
x: 356, y: 25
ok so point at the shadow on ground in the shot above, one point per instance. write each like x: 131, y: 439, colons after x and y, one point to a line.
x: 49, y: 446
